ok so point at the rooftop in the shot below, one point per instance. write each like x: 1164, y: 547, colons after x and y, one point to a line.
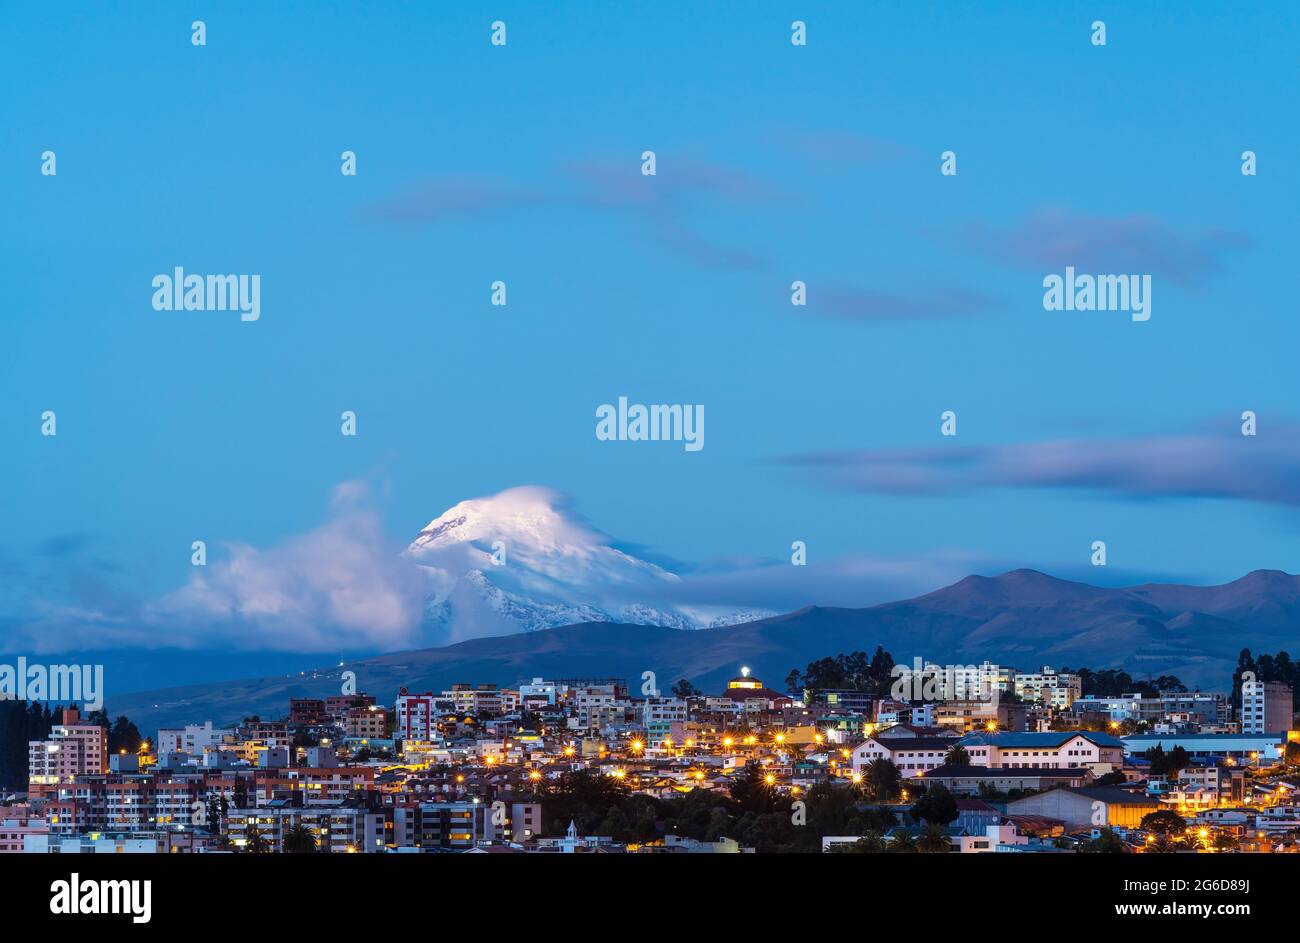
x: 1041, y: 741
x: 988, y: 772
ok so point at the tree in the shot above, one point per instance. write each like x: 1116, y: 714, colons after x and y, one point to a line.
x: 1113, y: 682
x: 1164, y: 822
x: 124, y: 735
x: 957, y: 756
x: 215, y: 814
x: 903, y: 843
x: 854, y: 671
x: 1245, y: 664
x: 792, y: 685
x: 20, y: 722
x: 934, y: 840
x: 751, y: 791
x: 936, y: 806
x: 298, y: 840
x: 256, y: 843
x: 1168, y: 765
x: 241, y: 793
x: 1177, y: 761
x: 872, y: 843
x: 882, y: 779
x: 684, y: 689
x: 1163, y: 845
x: 1224, y: 841
x: 1106, y: 843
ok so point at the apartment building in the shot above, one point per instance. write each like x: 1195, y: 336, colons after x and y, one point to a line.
x: 365, y: 723
x: 73, y: 749
x: 337, y: 827
x: 1055, y: 689
x: 417, y: 717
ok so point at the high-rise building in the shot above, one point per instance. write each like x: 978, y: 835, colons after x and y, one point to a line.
x: 416, y: 717
x: 1265, y: 707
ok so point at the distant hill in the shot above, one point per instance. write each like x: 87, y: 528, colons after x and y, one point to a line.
x: 1023, y: 618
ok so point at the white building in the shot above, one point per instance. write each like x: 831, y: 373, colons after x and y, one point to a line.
x: 1265, y: 707
x: 913, y: 756
x: 962, y: 682
x: 537, y: 689
x: 661, y: 712
x: 192, y: 739
x: 1067, y: 749
x: 1056, y: 689
x: 1254, y: 750
x: 86, y: 844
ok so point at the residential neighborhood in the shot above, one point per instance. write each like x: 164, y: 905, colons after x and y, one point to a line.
x: 984, y: 759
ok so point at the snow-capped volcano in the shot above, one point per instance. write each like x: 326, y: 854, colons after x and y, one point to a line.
x: 518, y: 561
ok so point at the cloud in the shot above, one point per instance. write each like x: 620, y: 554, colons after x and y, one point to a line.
x: 341, y: 586
x: 843, y: 303
x: 1051, y: 239
x: 662, y: 206
x: 1264, y: 469
x: 848, y: 581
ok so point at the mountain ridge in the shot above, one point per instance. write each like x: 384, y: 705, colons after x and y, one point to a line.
x: 1022, y: 618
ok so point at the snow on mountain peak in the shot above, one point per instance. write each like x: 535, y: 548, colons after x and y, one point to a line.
x: 554, y: 569
x: 530, y: 514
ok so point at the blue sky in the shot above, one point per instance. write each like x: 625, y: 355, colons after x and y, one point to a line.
x: 775, y: 163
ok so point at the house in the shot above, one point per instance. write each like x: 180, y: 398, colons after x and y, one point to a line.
x: 975, y: 816
x: 991, y: 838
x: 1088, y: 807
